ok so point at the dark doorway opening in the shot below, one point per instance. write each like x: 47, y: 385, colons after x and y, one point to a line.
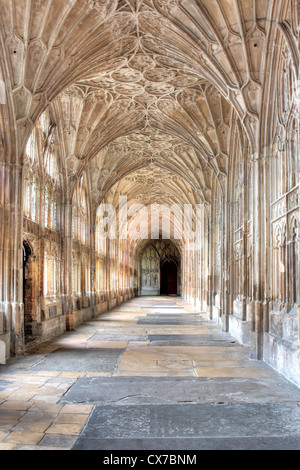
x: 27, y: 290
x: 169, y: 278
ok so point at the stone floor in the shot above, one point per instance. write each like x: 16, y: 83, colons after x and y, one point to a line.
x: 151, y: 374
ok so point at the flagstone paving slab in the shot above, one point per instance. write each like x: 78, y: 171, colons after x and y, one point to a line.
x: 174, y: 390
x: 126, y: 380
x: 20, y: 437
x: 183, y: 422
x: 57, y: 442
x: 87, y: 360
x: 189, y: 444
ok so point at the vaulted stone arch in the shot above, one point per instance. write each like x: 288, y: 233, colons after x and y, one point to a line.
x: 170, y: 104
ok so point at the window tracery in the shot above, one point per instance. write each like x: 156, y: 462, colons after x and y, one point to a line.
x: 81, y: 269
x: 51, y: 271
x: 31, y: 180
x: 52, y: 187
x: 81, y: 214
x: 284, y: 181
x: 42, y: 197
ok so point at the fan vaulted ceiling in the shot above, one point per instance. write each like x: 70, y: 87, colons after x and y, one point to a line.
x: 141, y: 91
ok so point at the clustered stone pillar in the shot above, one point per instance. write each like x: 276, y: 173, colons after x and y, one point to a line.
x: 298, y: 284
x: 11, y: 264
x: 256, y: 307
x: 68, y: 258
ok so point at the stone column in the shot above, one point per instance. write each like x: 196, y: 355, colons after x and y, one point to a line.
x: 267, y: 273
x: 93, y: 262
x: 225, y: 267
x: 227, y: 264
x: 257, y: 330
x: 245, y: 238
x: 11, y: 251
x: 298, y: 309
x: 108, y: 274
x: 68, y: 265
x: 195, y: 280
x: 210, y: 241
x: 256, y: 306
x: 298, y: 280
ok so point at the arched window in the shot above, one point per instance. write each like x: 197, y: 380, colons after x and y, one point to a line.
x: 28, y: 197
x: 31, y: 179
x: 31, y: 150
x: 46, y: 206
x: 284, y: 179
x: 52, y: 177
x: 51, y: 270
x: 293, y: 156
x: 293, y: 257
x: 45, y: 123
x: 81, y: 237
x: 76, y: 271
x: 81, y: 213
x: 46, y: 274
x: 51, y: 204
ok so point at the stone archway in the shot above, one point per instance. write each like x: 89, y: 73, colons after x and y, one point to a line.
x: 149, y: 271
x: 159, y: 269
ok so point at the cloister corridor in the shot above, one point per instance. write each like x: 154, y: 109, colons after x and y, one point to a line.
x: 149, y: 226
x: 152, y: 373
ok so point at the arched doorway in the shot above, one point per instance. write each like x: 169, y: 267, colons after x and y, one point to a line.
x: 149, y: 271
x: 159, y: 269
x: 27, y: 289
x: 168, y: 278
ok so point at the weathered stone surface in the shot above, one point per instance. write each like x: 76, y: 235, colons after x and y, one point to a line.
x: 174, y: 104
x: 239, y: 423
x: 81, y: 360
x: 170, y: 319
x: 190, y: 444
x: 174, y: 390
x: 69, y: 394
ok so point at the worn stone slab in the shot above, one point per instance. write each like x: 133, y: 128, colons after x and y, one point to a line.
x: 191, y: 340
x: 118, y: 337
x: 175, y: 315
x: 107, y: 344
x: 240, y: 422
x: 172, y: 317
x: 233, y: 370
x: 169, y: 320
x: 190, y: 444
x: 161, y: 305
x: 224, y: 344
x: 83, y: 360
x: 176, y: 390
x: 58, y: 441
x: 187, y: 337
x: 170, y: 311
